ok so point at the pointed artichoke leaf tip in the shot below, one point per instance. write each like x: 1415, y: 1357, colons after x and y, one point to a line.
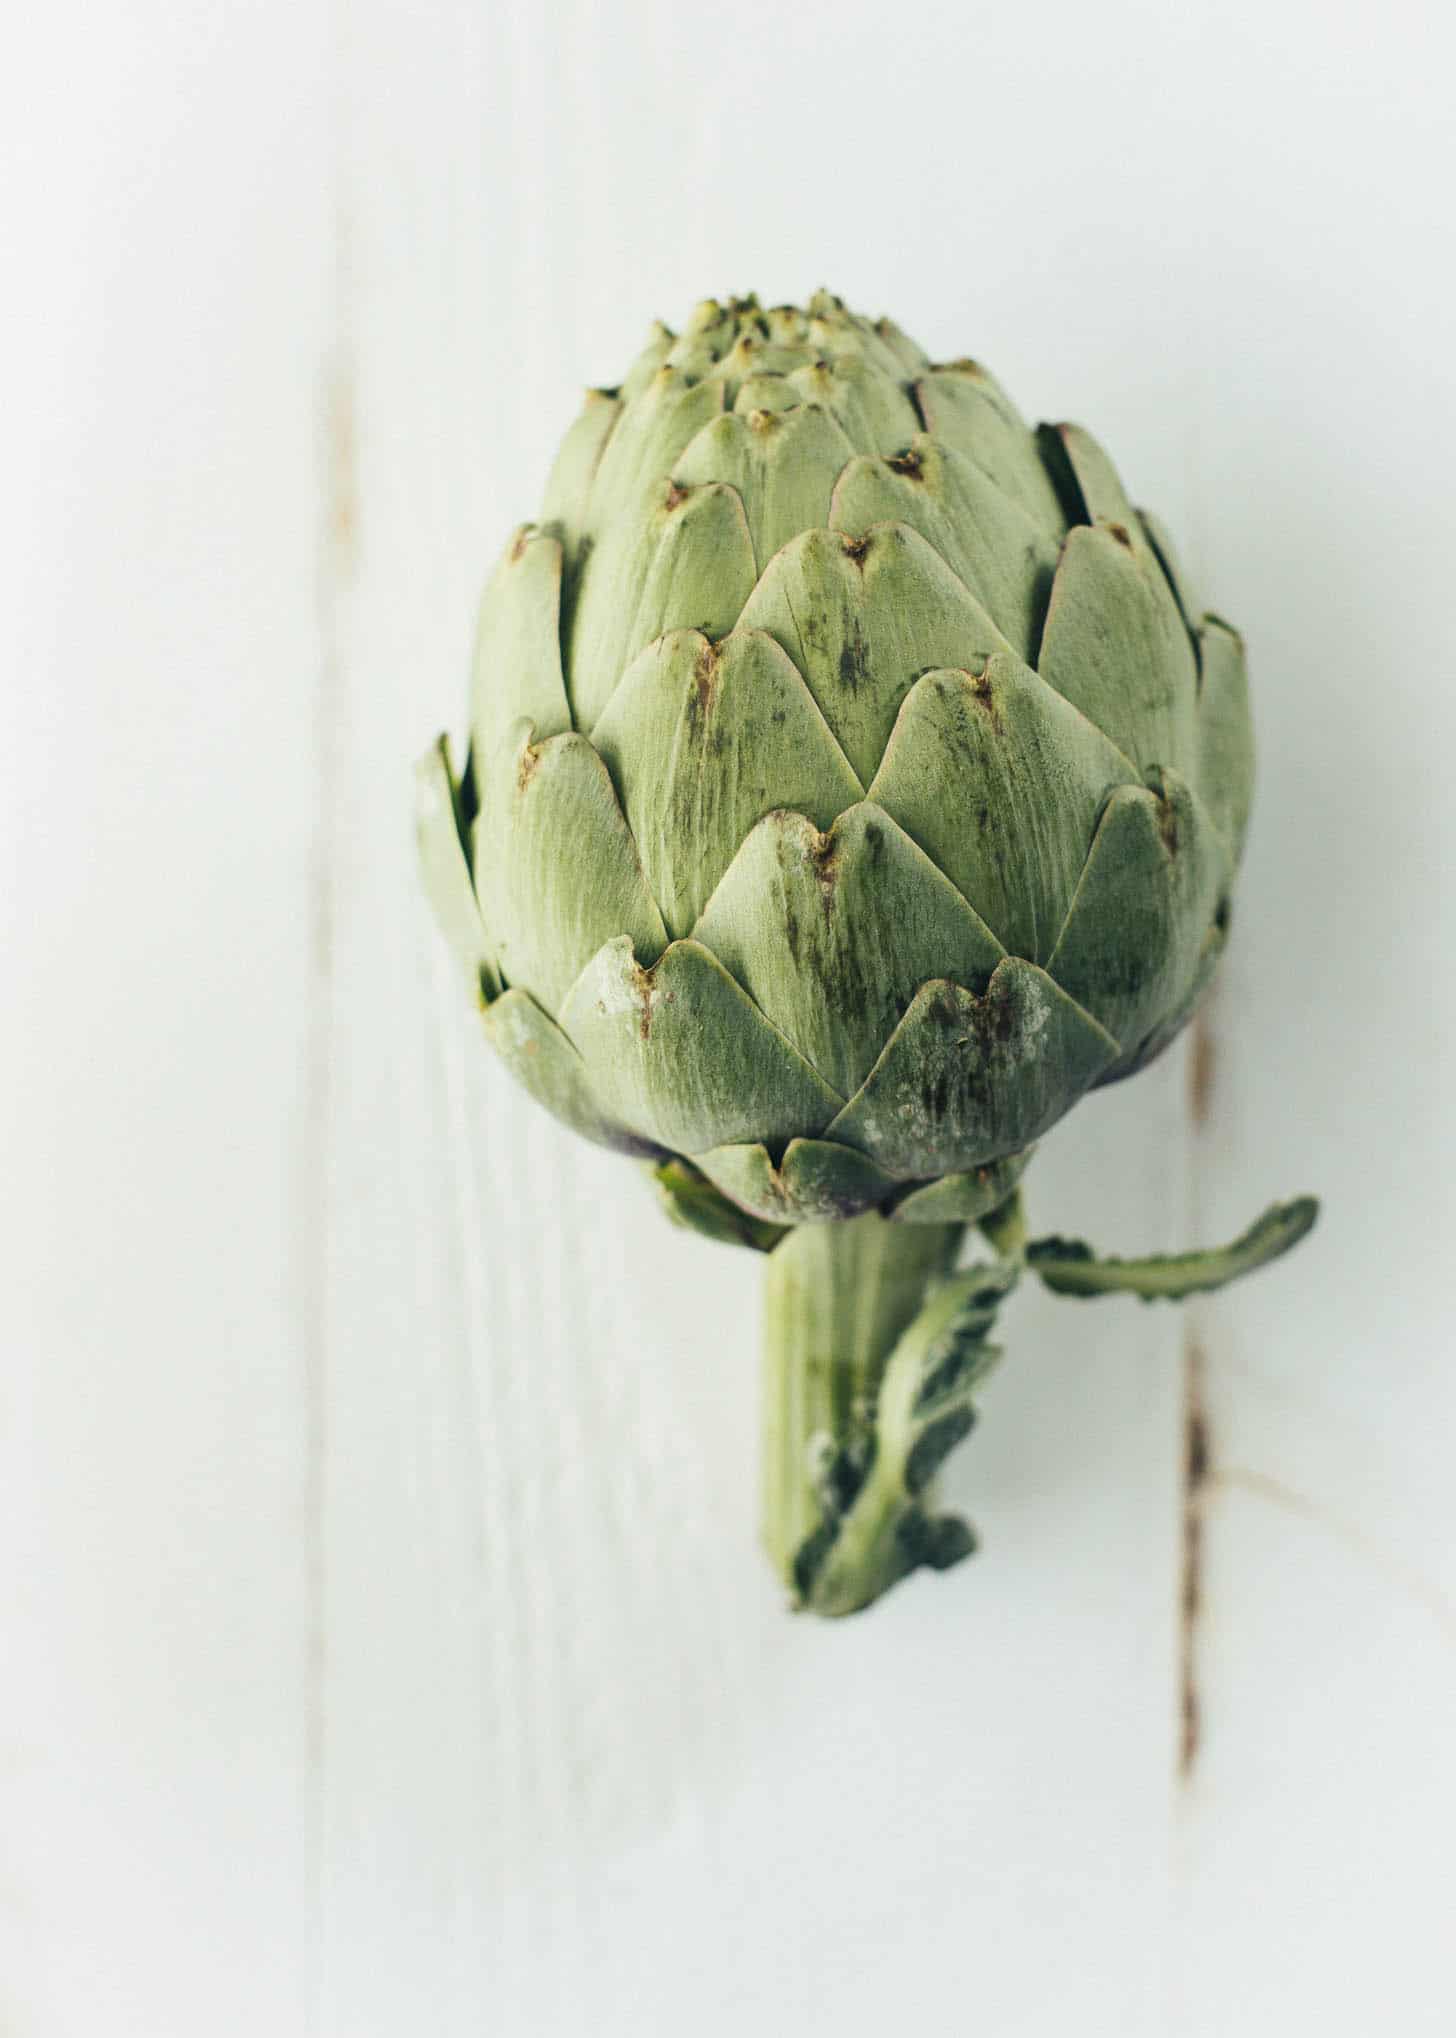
x: 691, y: 1201
x: 443, y: 851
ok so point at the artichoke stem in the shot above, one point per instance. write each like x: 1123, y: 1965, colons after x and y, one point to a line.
x: 842, y: 1520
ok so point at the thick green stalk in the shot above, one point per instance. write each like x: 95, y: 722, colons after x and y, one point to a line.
x: 871, y: 1348
x: 874, y: 1350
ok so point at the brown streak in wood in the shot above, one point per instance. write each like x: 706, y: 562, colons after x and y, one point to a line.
x: 1202, y: 1068
x: 1197, y: 1441
x: 1197, y: 1467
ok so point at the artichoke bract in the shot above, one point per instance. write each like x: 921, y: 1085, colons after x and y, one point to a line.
x: 853, y: 782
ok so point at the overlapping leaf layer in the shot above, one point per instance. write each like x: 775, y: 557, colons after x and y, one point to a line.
x: 853, y: 781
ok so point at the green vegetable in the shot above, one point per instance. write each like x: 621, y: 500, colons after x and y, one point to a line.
x: 853, y: 783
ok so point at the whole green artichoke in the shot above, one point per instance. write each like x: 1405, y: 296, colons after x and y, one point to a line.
x: 853, y: 783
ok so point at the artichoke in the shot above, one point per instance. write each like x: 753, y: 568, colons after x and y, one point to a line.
x: 853, y: 783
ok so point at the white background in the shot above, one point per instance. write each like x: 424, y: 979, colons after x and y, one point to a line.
x: 385, y: 1646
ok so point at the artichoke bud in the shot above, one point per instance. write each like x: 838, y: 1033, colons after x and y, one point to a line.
x: 834, y: 689
x: 853, y: 780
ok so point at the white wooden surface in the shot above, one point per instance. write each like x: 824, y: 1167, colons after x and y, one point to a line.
x: 385, y: 1648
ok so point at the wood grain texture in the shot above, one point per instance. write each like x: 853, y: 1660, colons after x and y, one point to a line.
x: 387, y: 1645
x: 581, y: 1768
x: 170, y: 222
x: 1326, y: 1779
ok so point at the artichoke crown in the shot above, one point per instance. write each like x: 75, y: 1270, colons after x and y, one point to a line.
x: 853, y: 780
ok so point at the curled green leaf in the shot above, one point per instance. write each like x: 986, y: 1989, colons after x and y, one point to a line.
x: 1070, y: 1267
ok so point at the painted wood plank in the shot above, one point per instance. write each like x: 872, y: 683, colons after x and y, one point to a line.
x: 1319, y: 1887
x: 166, y: 196
x: 385, y: 1638
x: 582, y: 1769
